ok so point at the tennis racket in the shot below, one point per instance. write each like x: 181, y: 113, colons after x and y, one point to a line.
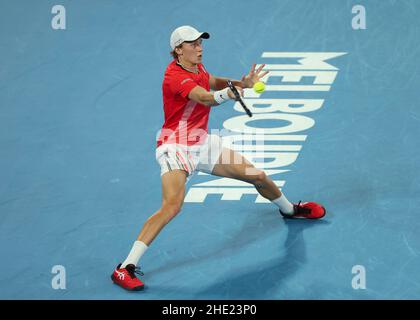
x: 238, y: 97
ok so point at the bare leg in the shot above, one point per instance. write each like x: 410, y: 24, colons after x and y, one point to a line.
x: 233, y: 165
x: 173, y: 192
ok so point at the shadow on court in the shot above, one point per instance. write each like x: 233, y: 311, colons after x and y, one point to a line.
x: 264, y: 278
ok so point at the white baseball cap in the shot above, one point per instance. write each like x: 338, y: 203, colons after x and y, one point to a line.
x: 186, y: 33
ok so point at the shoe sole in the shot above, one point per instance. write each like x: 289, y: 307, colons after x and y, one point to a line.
x: 140, y: 288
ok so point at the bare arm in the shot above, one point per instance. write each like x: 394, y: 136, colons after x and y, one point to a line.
x: 201, y: 95
x: 219, y: 83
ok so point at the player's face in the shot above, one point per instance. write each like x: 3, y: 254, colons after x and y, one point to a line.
x: 192, y: 52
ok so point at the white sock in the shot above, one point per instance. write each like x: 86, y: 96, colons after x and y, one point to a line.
x: 285, y: 206
x: 139, y: 248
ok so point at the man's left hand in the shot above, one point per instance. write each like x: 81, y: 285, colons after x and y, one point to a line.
x: 253, y: 76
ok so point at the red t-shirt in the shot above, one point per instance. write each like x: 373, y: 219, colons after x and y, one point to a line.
x: 186, y: 121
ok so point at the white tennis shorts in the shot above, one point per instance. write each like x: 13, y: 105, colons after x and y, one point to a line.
x: 191, y: 159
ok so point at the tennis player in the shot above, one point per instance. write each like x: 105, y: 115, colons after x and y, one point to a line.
x: 184, y: 145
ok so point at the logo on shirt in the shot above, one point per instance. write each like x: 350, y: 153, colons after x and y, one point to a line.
x: 185, y: 80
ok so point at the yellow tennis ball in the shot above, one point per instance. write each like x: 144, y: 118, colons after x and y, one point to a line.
x: 259, y: 87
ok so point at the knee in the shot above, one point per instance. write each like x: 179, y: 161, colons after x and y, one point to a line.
x: 169, y: 210
x: 259, y: 178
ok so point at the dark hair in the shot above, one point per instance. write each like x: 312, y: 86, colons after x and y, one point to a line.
x: 174, y: 54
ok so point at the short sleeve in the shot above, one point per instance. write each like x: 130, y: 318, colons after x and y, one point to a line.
x: 182, y: 85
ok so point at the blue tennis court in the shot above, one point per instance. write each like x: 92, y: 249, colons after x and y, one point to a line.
x: 80, y: 108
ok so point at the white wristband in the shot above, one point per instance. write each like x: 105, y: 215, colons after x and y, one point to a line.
x: 221, y: 95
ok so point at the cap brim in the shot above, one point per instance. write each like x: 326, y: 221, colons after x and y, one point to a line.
x: 205, y: 35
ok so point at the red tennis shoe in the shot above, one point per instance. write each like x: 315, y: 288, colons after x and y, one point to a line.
x: 126, y: 277
x: 306, y: 210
